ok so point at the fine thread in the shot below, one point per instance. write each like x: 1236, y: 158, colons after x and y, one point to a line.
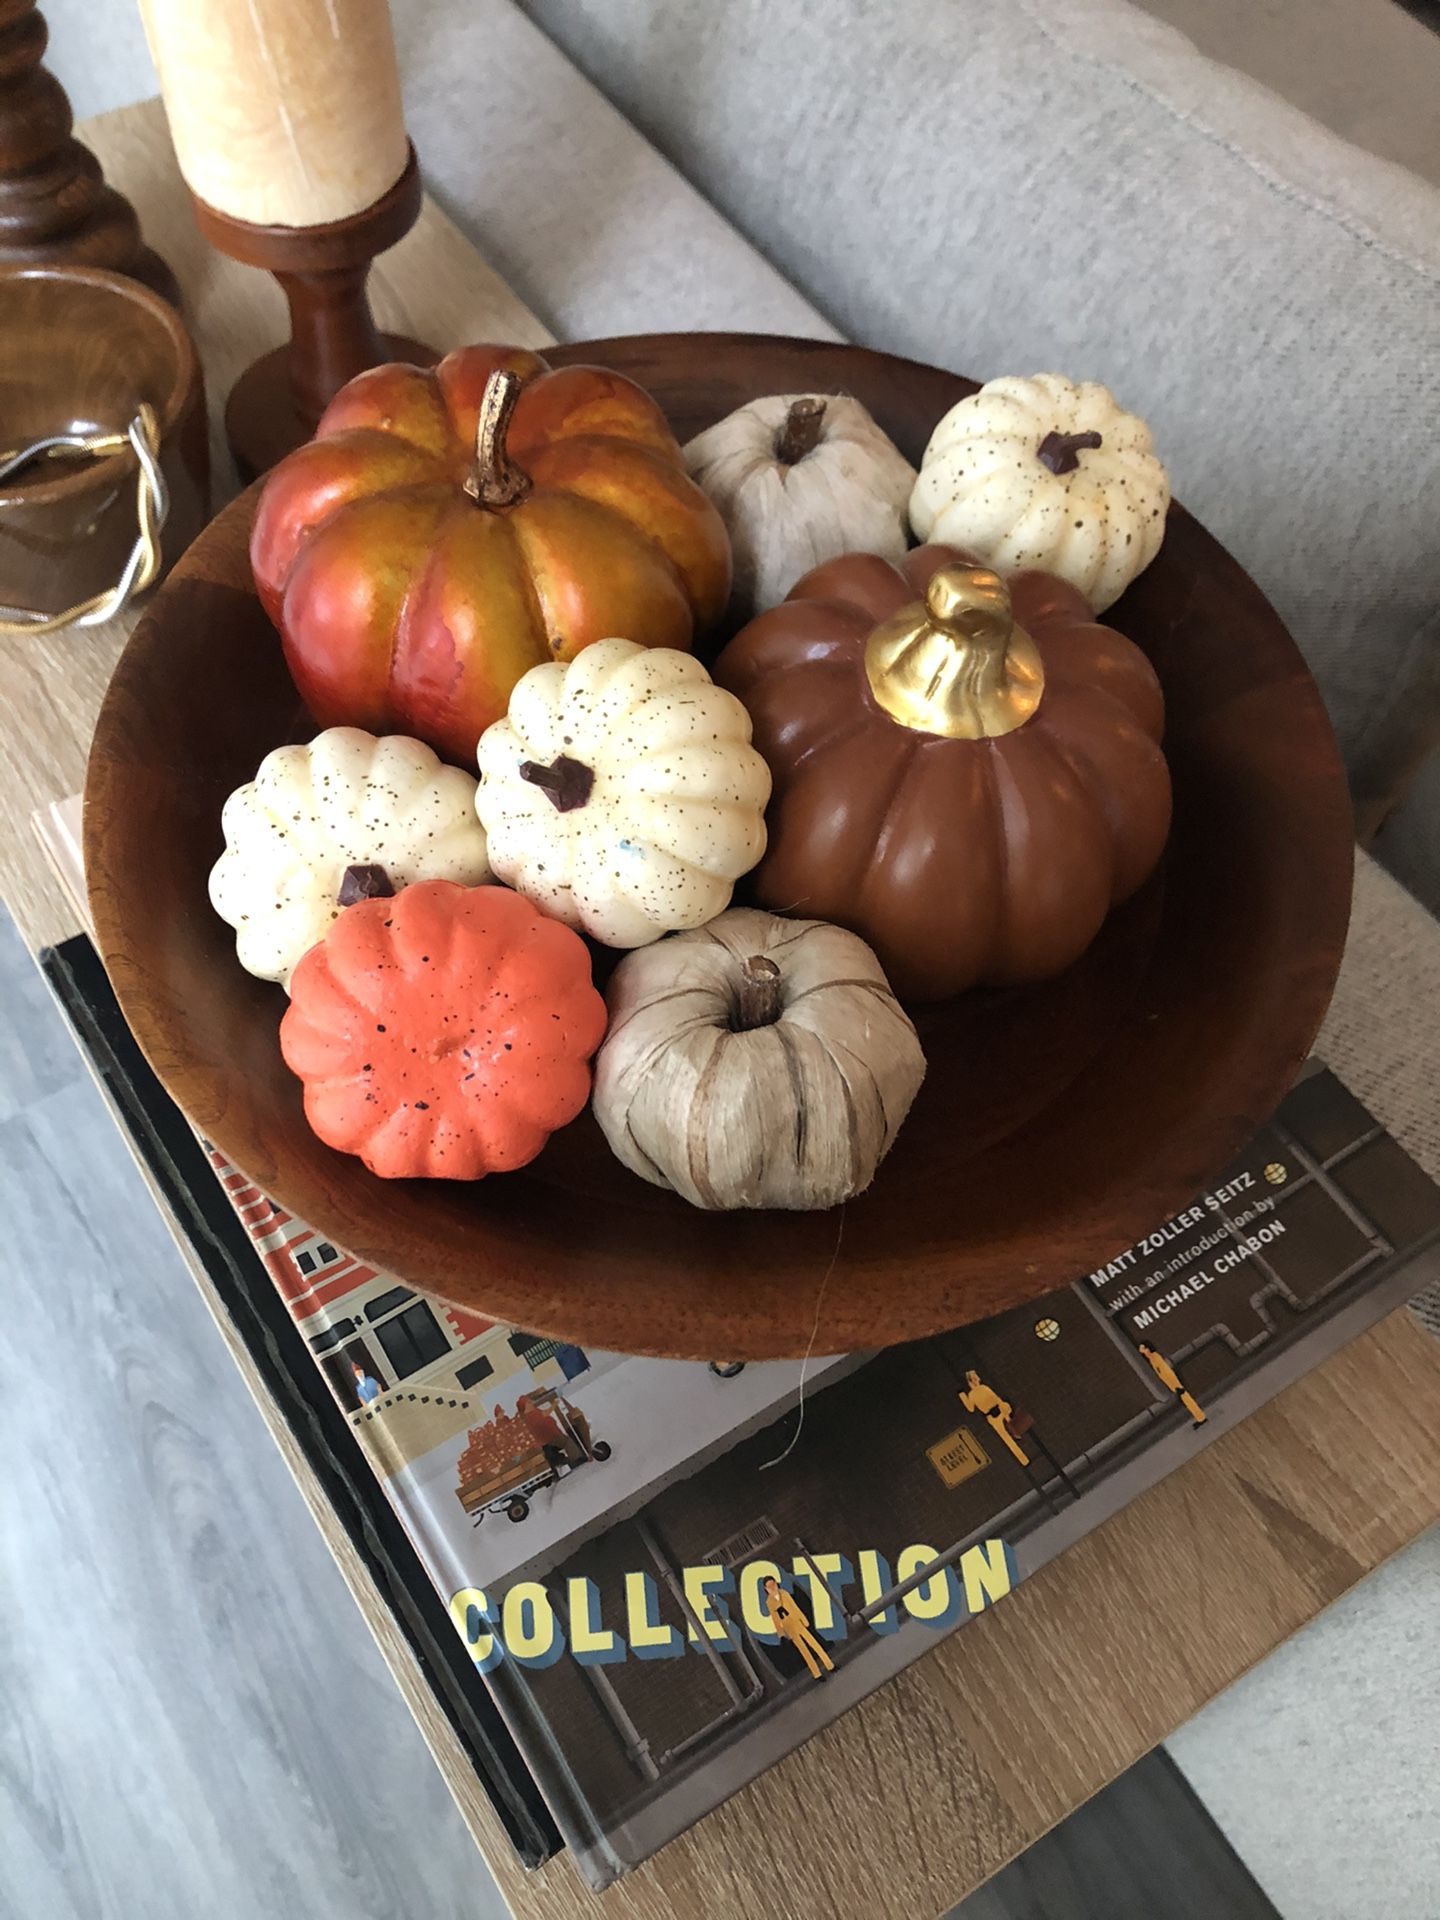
x: 765, y: 1465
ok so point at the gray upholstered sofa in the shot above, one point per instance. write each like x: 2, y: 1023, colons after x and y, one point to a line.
x: 1006, y: 186
x: 1010, y: 185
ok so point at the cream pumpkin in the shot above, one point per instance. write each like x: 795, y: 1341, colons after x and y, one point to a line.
x: 386, y: 808
x: 756, y: 1062
x: 1050, y: 473
x: 798, y: 479
x: 621, y: 793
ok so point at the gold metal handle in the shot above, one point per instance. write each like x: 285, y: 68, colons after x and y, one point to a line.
x: 955, y: 663
x: 152, y: 507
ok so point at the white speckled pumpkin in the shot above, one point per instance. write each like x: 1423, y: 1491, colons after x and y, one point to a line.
x: 385, y: 807
x: 621, y: 793
x: 1050, y: 473
x: 756, y: 1062
x: 800, y: 479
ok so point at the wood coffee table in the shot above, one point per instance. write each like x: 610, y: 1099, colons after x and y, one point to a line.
x: 920, y: 1793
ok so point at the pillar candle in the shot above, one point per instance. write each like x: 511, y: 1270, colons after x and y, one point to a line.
x: 284, y: 112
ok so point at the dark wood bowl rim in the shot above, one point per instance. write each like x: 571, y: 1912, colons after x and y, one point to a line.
x: 1216, y: 1123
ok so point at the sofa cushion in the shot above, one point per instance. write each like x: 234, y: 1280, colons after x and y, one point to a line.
x: 1025, y: 184
x: 588, y: 224
x: 1366, y: 69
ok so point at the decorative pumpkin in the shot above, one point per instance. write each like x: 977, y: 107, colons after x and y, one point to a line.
x: 622, y: 794
x: 322, y: 825
x: 798, y: 479
x: 447, y: 530
x: 1050, y: 473
x: 756, y: 1062
x: 970, y: 794
x: 444, y: 1033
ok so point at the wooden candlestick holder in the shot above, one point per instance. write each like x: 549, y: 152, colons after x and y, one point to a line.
x: 274, y: 405
x: 55, y: 208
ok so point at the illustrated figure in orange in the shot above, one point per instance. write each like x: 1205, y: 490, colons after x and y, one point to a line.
x: 998, y: 1412
x: 1165, y: 1373
x: 792, y: 1623
x: 544, y: 1429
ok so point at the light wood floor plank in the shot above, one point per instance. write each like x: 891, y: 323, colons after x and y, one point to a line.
x: 193, y: 1718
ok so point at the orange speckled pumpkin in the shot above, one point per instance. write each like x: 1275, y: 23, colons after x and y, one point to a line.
x: 446, y: 531
x: 445, y: 1032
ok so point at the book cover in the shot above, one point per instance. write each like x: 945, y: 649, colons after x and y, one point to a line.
x: 667, y: 1575
x: 672, y: 1573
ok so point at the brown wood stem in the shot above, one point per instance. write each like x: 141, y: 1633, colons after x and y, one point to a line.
x: 1060, y: 452
x: 565, y: 782
x: 55, y: 206
x: 495, y: 480
x: 801, y: 432
x: 757, y: 999
x: 364, y: 883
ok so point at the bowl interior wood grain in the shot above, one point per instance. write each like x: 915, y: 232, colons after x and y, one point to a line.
x: 1056, y: 1124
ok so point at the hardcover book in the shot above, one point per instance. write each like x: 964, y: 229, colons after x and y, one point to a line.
x: 671, y: 1573
x: 636, y: 1583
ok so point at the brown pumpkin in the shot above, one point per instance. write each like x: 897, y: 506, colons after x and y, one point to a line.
x: 967, y: 774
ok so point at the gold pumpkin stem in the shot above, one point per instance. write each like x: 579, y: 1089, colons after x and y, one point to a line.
x: 494, y: 480
x: 955, y: 664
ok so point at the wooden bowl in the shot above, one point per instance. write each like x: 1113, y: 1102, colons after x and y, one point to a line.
x: 1056, y: 1125
x: 86, y: 347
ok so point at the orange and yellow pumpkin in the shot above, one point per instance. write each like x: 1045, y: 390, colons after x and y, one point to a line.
x: 449, y: 529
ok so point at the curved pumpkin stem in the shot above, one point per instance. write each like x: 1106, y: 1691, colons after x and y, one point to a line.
x: 1060, y: 452
x: 495, y: 480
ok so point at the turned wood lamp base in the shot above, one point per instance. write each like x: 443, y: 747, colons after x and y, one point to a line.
x: 55, y: 207
x: 275, y: 404
x: 263, y: 418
